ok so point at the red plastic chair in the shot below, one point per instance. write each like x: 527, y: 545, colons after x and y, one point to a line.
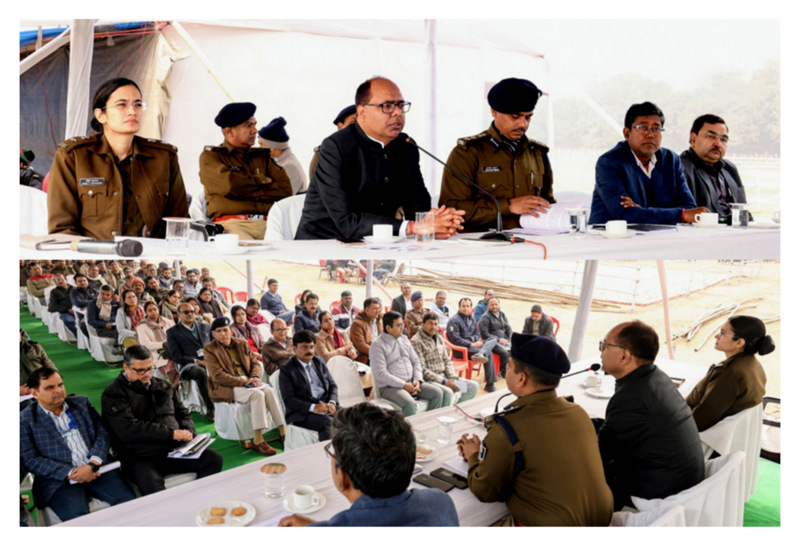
x: 241, y: 296
x: 297, y: 299
x: 557, y: 324
x: 334, y: 303
x: 460, y: 364
x: 227, y: 294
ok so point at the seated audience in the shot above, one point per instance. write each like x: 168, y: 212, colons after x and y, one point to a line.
x: 61, y: 303
x: 482, y: 305
x: 309, y: 393
x: 113, y: 276
x: 151, y: 333
x: 95, y: 279
x: 308, y: 319
x: 462, y: 330
x: 198, y: 312
x: 373, y: 453
x: 738, y: 382
x: 244, y: 330
x: 80, y: 298
x: 539, y: 323
x: 102, y: 313
x: 169, y: 306
x: 178, y: 285
x: 494, y: 324
x: 414, y: 315
x: 209, y: 283
x: 441, y: 309
x: 436, y: 364
x: 147, y: 421
x: 396, y: 370
x: 330, y: 342
x: 402, y: 302
x: 648, y: 441
x: 208, y: 305
x: 165, y: 275
x: 253, y: 316
x: 234, y: 374
x: 366, y: 327
x: 344, y: 313
x: 278, y: 349
x: 129, y: 315
x: 154, y: 289
x: 62, y: 439
x: 540, y: 455
x: 138, y: 287
x: 185, y: 342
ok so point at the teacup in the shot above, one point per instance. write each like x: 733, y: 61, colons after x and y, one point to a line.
x: 382, y: 232
x: 226, y: 242
x: 617, y: 227
x: 706, y: 219
x: 305, y: 497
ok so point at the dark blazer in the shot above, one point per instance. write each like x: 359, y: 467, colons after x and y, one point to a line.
x: 93, y: 318
x: 649, y: 441
x: 296, y: 392
x: 399, y: 305
x: 702, y: 187
x: 358, y: 183
x: 617, y: 174
x: 44, y: 452
x: 183, y: 346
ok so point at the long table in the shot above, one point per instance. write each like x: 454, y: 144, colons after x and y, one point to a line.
x: 179, y: 506
x: 685, y: 242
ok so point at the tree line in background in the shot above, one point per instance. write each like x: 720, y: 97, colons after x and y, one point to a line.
x: 749, y: 105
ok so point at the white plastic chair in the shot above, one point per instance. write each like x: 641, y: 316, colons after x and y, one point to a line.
x: 421, y: 404
x: 284, y: 217
x: 234, y: 422
x: 189, y: 395
x: 102, y: 348
x: 742, y: 431
x: 296, y: 437
x: 716, y: 501
x: 34, y: 203
x: 351, y: 392
x: 672, y: 515
x: 83, y: 339
x: 48, y: 517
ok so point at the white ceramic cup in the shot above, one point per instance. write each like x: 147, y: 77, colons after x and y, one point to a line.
x: 617, y: 227
x: 382, y: 232
x: 706, y: 219
x: 594, y: 381
x: 226, y: 242
x: 305, y: 497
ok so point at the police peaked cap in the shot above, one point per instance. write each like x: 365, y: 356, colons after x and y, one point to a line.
x: 220, y: 322
x: 514, y: 95
x: 539, y: 352
x: 234, y: 114
x: 347, y: 111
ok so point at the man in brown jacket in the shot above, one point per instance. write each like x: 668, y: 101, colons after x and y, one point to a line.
x: 234, y: 374
x: 279, y: 348
x: 366, y: 326
x: 241, y: 182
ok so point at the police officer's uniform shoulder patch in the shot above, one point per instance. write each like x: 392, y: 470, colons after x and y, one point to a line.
x: 464, y: 142
x: 155, y: 143
x: 533, y: 145
x: 77, y: 142
x: 211, y: 148
x: 483, y: 451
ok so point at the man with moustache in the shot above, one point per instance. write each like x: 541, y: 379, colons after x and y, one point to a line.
x: 345, y: 312
x: 637, y: 180
x: 462, y: 330
x: 367, y: 172
x: 308, y: 319
x: 713, y: 181
x: 366, y: 327
x: 241, y: 182
x: 309, y: 392
x: 502, y: 161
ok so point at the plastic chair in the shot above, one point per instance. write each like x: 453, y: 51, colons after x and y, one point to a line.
x: 189, y: 395
x: 284, y: 217
x: 351, y: 391
x: 241, y: 295
x: 673, y: 515
x: 556, y: 324
x: 227, y: 294
x: 101, y: 348
x: 716, y: 501
x: 232, y: 421
x: 460, y: 364
x: 771, y: 432
x: 296, y: 437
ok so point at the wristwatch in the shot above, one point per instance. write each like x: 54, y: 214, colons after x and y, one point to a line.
x: 95, y: 467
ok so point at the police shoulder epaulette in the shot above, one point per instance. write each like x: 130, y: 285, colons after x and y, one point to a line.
x: 532, y: 144
x: 155, y: 143
x: 211, y: 148
x: 76, y: 142
x: 466, y: 141
x: 491, y: 418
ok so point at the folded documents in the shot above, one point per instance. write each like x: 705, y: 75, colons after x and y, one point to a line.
x: 457, y: 465
x: 194, y: 448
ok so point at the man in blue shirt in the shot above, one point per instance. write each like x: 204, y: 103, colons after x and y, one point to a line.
x: 273, y: 303
x: 373, y: 452
x: 639, y: 181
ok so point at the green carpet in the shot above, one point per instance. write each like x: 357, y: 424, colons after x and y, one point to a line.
x: 85, y: 376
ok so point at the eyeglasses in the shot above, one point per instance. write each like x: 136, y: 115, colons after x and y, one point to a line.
x: 603, y: 345
x: 142, y: 371
x: 123, y: 106
x: 723, y: 333
x: 644, y: 129
x: 187, y: 312
x: 713, y: 136
x: 388, y: 107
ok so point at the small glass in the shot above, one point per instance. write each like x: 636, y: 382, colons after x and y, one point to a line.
x: 740, y: 216
x: 177, y: 236
x: 445, y: 431
x: 273, y: 479
x: 577, y: 222
x: 424, y: 227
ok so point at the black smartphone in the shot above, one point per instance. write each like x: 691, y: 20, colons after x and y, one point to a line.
x: 448, y: 476
x: 426, y: 480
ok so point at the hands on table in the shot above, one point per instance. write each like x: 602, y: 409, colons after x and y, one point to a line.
x: 468, y: 445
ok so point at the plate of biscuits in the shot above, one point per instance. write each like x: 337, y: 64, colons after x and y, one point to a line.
x: 426, y: 453
x: 227, y: 513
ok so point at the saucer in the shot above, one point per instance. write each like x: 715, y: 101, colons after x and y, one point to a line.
x: 394, y: 239
x: 288, y: 504
x: 628, y: 233
x: 715, y: 225
x: 600, y: 392
x: 427, y: 457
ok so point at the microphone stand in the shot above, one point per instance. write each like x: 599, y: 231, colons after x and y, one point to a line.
x: 499, y: 234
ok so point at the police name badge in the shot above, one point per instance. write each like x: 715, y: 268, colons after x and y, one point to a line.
x: 491, y: 169
x: 99, y: 181
x: 482, y: 453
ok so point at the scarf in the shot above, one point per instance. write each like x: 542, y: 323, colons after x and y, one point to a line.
x: 208, y: 307
x: 135, y: 317
x: 159, y: 329
x: 257, y: 320
x: 338, y: 340
x: 103, y: 309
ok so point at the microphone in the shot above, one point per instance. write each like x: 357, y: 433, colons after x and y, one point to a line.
x: 125, y: 247
x: 497, y: 404
x: 594, y: 368
x: 498, y: 235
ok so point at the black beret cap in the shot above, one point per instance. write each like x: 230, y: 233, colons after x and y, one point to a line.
x: 514, y: 95
x: 274, y: 131
x: 347, y: 111
x: 220, y: 322
x: 234, y: 114
x: 539, y: 352
x: 416, y: 295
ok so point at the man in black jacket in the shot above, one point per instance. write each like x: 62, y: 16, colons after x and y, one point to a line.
x: 147, y: 421
x: 185, y: 342
x: 648, y: 441
x: 61, y: 303
x: 367, y: 172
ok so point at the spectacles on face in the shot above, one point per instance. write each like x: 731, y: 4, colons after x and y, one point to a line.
x: 723, y: 333
x: 603, y: 345
x: 281, y: 330
x: 657, y: 130
x: 329, y: 452
x: 123, y: 106
x: 187, y: 312
x: 389, y: 106
x: 142, y: 371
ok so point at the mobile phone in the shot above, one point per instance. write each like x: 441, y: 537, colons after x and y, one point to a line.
x: 426, y: 480
x: 448, y: 476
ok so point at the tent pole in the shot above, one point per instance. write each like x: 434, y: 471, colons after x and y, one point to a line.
x: 582, y: 312
x: 80, y: 75
x: 42, y: 53
x: 430, y: 62
x: 662, y: 278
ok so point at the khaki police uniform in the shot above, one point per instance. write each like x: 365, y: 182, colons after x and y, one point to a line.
x: 489, y: 163
x: 561, y: 482
x: 88, y: 187
x: 244, y: 182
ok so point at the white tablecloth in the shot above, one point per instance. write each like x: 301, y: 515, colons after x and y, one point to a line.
x: 687, y: 242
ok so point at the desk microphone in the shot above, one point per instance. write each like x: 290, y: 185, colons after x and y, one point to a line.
x: 125, y: 247
x: 594, y: 368
x: 498, y: 235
